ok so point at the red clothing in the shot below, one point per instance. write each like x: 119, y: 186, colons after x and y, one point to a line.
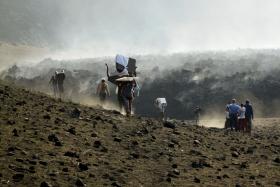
x: 242, y: 125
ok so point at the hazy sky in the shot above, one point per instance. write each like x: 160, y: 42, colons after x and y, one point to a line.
x: 106, y: 27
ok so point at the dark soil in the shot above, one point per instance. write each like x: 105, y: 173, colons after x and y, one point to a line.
x: 43, y: 144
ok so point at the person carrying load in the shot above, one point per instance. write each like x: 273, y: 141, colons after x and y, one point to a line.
x: 123, y: 79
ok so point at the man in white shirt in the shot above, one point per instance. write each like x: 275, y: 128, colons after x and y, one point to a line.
x: 161, y: 104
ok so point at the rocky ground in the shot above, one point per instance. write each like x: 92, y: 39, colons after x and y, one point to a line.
x: 46, y: 142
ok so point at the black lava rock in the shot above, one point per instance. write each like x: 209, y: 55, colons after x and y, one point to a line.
x: 45, y: 184
x: 18, y: 177
x: 168, y: 124
x: 71, y: 154
x: 83, y: 167
x: 79, y: 182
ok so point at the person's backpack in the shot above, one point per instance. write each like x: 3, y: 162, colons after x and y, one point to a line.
x: 60, y: 77
x: 131, y: 67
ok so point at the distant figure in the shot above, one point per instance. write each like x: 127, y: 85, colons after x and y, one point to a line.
x: 161, y: 104
x: 197, y: 112
x: 241, y: 119
x: 102, y: 91
x: 53, y: 83
x: 249, y: 115
x: 233, y: 114
x: 227, y: 122
x: 60, y: 77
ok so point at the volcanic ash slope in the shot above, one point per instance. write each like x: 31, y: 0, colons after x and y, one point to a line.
x: 46, y: 142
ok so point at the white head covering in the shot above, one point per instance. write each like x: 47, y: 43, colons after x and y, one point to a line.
x: 122, y: 60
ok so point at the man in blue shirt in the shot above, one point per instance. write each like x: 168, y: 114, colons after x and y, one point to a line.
x: 249, y: 115
x: 234, y: 109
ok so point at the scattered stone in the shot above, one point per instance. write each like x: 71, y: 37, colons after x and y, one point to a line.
x: 251, y: 150
x: 97, y: 144
x: 176, y: 172
x: 277, y: 160
x: 83, y: 167
x: 135, y: 155
x: 168, y: 124
x: 168, y: 179
x: 252, y: 177
x: 62, y: 109
x: 75, y: 113
x: 235, y: 154
x: 196, y: 180
x: 47, y: 116
x: 32, y: 169
x: 21, y: 103
x: 18, y: 177
x: 117, y: 139
x: 174, y: 165
x: 116, y: 112
x: 195, y: 152
x: 94, y: 123
x: 98, y: 118
x: 11, y: 122
x: 58, y: 120
x: 115, y: 184
x: 115, y: 127
x: 79, y: 182
x: 71, y: 154
x: 43, y: 163
x: 54, y: 138
x: 45, y: 184
x: 72, y: 130
x: 225, y: 176
x: 19, y: 160
x: 32, y: 162
x: 91, y: 175
x: 35, y: 156
x: 200, y: 164
x: 244, y: 165
x: 196, y: 142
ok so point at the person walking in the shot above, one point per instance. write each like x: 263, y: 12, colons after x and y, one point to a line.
x: 241, y: 119
x: 249, y: 115
x: 53, y: 83
x: 161, y: 104
x: 103, y: 91
x: 233, y: 114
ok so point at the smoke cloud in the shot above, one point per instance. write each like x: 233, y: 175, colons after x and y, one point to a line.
x: 92, y: 28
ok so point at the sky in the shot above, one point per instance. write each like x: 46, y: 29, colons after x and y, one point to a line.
x: 89, y: 28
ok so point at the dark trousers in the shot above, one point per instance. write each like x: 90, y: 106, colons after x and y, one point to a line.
x: 233, y: 121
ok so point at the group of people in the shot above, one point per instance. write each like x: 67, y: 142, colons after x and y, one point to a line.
x: 56, y: 83
x: 124, y: 77
x: 239, y: 118
x: 126, y: 83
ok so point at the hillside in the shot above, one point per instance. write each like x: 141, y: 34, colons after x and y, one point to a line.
x: 44, y: 143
